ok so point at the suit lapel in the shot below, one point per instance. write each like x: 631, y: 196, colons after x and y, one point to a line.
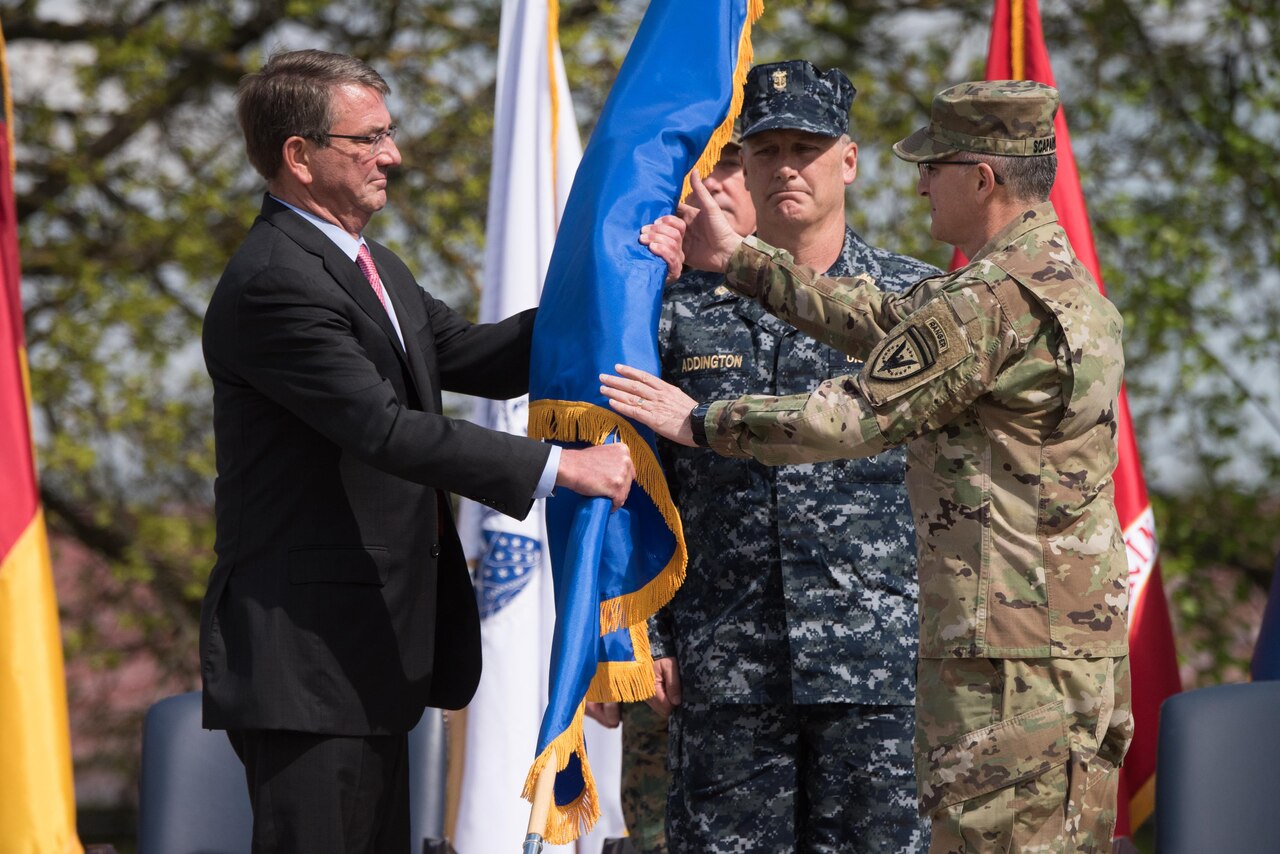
x: 343, y: 270
x: 412, y: 315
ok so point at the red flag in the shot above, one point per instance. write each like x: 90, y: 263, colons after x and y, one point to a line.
x: 1018, y: 52
x: 38, y: 810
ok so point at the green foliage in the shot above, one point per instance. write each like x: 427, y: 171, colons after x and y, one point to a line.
x: 133, y: 192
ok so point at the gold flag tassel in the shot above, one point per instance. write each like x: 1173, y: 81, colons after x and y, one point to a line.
x: 721, y: 136
x: 561, y: 823
x: 577, y: 421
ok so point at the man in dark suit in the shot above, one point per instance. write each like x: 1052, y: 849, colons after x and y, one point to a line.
x: 340, y: 605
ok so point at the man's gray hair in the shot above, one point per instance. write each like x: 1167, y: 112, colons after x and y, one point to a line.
x: 1028, y: 178
x: 291, y: 96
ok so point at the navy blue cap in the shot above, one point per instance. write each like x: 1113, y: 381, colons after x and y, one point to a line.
x: 795, y: 95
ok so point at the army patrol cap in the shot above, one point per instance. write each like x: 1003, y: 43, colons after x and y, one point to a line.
x: 1008, y: 117
x: 795, y: 95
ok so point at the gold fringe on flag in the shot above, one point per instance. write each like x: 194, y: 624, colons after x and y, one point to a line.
x: 615, y: 681
x: 567, y: 822
x: 577, y: 421
x: 720, y: 138
x: 625, y: 681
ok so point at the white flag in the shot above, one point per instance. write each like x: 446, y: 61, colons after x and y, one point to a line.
x: 535, y: 153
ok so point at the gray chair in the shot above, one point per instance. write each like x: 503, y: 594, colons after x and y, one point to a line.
x: 1218, y: 770
x: 192, y: 793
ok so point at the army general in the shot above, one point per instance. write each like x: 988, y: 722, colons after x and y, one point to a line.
x: 1001, y: 379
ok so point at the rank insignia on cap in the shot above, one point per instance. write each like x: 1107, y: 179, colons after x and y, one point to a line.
x: 796, y: 95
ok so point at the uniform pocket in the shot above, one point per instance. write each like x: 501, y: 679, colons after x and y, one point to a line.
x: 1094, y: 772
x: 994, y: 757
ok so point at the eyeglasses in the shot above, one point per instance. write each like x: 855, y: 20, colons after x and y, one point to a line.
x: 374, y: 141
x: 924, y: 167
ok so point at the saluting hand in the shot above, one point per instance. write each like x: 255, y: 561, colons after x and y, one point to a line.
x: 709, y: 239
x: 698, y: 235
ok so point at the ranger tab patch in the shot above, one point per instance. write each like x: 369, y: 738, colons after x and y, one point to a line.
x: 930, y: 342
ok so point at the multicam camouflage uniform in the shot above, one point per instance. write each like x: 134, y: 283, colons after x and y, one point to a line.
x: 644, y: 777
x: 796, y: 650
x: 1001, y: 379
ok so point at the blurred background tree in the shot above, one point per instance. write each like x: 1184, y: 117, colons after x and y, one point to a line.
x: 133, y: 191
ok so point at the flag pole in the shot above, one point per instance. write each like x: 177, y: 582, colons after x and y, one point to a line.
x: 542, y: 795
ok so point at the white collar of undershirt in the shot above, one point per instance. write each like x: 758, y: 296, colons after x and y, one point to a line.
x: 349, y: 245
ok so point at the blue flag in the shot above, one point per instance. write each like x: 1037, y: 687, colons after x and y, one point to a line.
x: 1266, y: 653
x: 670, y: 110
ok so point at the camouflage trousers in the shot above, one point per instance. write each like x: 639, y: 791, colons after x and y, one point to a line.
x: 1021, y: 755
x: 831, y: 777
x: 644, y: 777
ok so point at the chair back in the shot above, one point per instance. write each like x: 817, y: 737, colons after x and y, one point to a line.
x: 192, y: 793
x: 1218, y: 770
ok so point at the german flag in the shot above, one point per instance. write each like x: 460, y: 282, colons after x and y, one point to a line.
x: 37, y: 799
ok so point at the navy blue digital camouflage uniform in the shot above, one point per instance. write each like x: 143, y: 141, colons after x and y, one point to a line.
x: 795, y: 630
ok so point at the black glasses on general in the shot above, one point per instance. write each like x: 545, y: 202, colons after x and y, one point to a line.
x: 928, y: 164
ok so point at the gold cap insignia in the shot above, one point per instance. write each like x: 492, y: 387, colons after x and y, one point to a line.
x: 779, y: 78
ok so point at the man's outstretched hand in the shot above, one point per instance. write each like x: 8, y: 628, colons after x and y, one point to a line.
x: 653, y: 402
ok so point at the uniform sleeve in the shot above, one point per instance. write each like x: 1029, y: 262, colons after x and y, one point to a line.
x: 661, y: 635
x: 930, y: 367
x: 850, y: 314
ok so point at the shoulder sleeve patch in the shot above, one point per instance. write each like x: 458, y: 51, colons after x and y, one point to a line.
x: 929, y: 342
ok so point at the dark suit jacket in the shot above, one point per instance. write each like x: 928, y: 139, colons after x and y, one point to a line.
x: 340, y: 601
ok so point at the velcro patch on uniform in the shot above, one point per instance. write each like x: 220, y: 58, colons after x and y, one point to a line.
x: 911, y: 352
x: 929, y: 342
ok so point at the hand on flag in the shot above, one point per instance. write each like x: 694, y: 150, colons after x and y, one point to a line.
x: 699, y: 234
x: 604, y: 470
x: 653, y: 402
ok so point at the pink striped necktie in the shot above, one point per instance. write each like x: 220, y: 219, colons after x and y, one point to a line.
x: 365, y: 261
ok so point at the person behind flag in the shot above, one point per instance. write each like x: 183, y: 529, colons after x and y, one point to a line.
x: 1001, y: 378
x: 787, y: 662
x: 645, y: 779
x: 340, y: 605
